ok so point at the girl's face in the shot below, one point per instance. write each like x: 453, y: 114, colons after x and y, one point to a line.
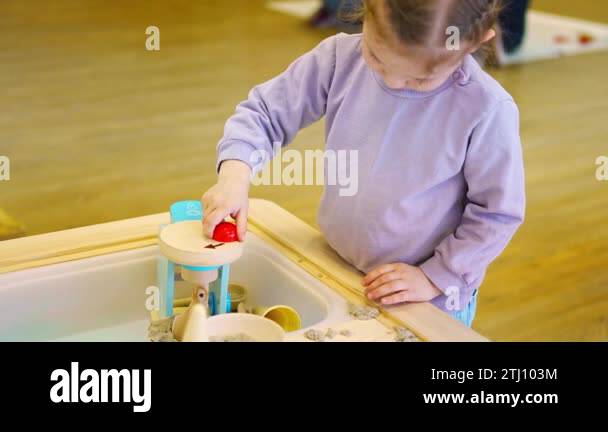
x: 419, y: 68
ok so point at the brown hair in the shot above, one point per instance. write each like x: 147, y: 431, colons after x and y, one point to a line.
x: 421, y: 22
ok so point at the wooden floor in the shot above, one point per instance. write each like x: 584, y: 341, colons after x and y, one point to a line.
x: 99, y: 129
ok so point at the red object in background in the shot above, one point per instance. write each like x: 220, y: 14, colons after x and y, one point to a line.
x: 585, y: 39
x: 225, y: 232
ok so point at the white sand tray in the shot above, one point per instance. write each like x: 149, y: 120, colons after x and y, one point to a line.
x: 548, y: 36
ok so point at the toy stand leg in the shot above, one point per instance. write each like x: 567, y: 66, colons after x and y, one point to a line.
x: 166, y: 284
x: 165, y: 277
x: 219, y: 294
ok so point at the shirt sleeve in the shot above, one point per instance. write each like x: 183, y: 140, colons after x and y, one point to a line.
x: 494, y: 208
x: 275, y: 111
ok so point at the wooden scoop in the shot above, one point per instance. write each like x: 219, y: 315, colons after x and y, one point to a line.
x: 191, y: 326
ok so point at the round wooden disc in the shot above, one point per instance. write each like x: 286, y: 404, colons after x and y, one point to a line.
x: 184, y: 243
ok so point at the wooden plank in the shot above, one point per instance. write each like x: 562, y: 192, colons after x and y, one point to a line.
x: 79, y: 243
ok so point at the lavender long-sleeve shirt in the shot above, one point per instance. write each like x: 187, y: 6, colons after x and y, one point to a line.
x: 441, y: 181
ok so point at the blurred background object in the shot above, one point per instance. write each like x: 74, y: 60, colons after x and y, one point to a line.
x: 99, y: 129
x: 9, y: 227
x: 513, y: 24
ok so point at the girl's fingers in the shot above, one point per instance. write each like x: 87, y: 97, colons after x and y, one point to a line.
x: 207, y: 202
x: 383, y: 279
x: 208, y: 208
x: 375, y: 273
x: 212, y: 219
x: 387, y: 289
x: 399, y: 297
x: 241, y: 223
x: 206, y: 212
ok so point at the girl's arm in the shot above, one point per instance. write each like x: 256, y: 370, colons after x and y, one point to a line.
x: 495, y: 205
x: 271, y: 117
x: 275, y: 111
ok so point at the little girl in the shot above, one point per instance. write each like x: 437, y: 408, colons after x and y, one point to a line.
x: 441, y: 181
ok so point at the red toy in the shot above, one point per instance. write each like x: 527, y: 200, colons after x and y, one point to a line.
x: 585, y: 39
x: 225, y: 232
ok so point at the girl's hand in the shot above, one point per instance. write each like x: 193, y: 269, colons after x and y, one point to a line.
x: 229, y: 196
x: 397, y: 283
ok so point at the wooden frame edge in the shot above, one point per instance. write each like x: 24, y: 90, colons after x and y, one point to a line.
x: 299, y: 241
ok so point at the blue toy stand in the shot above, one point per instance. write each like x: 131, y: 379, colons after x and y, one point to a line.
x: 219, y: 296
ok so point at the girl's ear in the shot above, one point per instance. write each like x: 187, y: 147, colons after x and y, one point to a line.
x: 487, y: 37
x: 490, y: 34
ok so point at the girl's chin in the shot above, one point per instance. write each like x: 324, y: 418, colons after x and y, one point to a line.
x: 421, y: 87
